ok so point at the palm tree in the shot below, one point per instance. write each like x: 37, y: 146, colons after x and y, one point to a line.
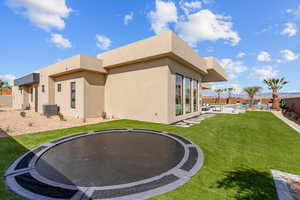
x: 219, y: 92
x: 275, y: 85
x: 229, y: 92
x: 251, y: 91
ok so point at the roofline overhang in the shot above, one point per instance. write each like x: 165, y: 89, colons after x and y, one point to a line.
x: 216, y: 72
x: 76, y: 70
x: 171, y: 55
x: 29, y: 79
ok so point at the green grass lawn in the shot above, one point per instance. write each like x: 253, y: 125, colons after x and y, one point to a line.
x: 239, y: 152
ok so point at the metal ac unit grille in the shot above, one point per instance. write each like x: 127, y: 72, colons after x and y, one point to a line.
x: 50, y: 109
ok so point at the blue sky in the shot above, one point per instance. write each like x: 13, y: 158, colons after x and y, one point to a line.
x: 252, y: 39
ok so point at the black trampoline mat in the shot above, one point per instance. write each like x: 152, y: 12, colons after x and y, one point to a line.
x: 110, y: 159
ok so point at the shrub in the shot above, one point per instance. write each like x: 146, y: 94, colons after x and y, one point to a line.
x: 104, y: 116
x: 23, y: 114
x: 61, y: 117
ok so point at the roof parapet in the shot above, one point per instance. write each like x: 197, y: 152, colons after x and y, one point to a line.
x: 215, y: 71
x: 206, y: 86
x: 164, y: 45
x: 74, y: 64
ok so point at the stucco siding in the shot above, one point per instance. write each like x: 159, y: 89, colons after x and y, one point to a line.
x: 17, y: 97
x: 63, y: 98
x: 5, y: 100
x: 94, y: 94
x: 138, y: 91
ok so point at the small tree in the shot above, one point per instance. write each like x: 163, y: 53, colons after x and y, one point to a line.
x: 229, y: 93
x: 2, y: 85
x: 251, y: 91
x: 219, y: 93
x: 275, y: 85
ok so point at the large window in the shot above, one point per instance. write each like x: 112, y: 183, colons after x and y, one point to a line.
x: 73, y: 95
x: 195, y: 95
x: 188, y: 95
x: 179, y: 94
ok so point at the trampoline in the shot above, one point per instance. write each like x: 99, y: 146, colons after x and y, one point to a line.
x: 105, y: 164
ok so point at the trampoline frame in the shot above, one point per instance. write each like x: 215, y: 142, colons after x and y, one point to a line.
x: 173, y: 178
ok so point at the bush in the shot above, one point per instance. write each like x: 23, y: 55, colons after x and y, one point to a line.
x: 104, y: 116
x: 23, y: 114
x: 61, y: 117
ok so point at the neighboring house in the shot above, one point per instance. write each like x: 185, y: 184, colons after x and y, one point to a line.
x: 6, y: 91
x: 158, y: 79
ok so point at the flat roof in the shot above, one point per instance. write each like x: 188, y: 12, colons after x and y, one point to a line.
x: 166, y: 44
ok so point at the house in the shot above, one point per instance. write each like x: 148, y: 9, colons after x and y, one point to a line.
x: 5, y: 91
x: 158, y: 79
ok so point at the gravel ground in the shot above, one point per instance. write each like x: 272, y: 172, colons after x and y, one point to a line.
x: 282, y: 117
x: 12, y: 123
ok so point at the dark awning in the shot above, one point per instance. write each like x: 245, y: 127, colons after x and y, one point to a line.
x: 28, y: 79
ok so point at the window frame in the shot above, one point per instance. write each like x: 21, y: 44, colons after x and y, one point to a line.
x: 195, y: 95
x: 188, y: 94
x: 180, y: 95
x: 59, y: 87
x: 73, y: 95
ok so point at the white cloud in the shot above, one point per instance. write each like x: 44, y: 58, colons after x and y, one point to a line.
x: 8, y: 78
x: 45, y: 14
x: 103, y: 42
x: 189, y: 7
x: 289, y: 55
x: 60, y: 41
x: 205, y: 25
x: 264, y: 56
x: 241, y: 55
x: 164, y: 14
x: 290, y: 30
x: 194, y: 26
x: 233, y: 68
x: 266, y: 72
x: 294, y: 12
x: 128, y: 18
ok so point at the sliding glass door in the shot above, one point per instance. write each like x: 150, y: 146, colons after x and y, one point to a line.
x: 195, y: 96
x: 188, y: 95
x: 179, y: 94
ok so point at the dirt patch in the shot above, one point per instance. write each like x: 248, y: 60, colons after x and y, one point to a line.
x: 17, y: 122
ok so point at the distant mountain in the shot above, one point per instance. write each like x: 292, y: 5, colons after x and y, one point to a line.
x: 283, y: 95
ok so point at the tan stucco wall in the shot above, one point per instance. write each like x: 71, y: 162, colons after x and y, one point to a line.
x: 177, y: 68
x: 138, y: 91
x: 94, y: 94
x: 6, y: 100
x: 17, y: 98
x: 63, y: 98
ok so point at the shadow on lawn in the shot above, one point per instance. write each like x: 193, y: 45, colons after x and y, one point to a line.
x: 10, y: 150
x: 249, y: 184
